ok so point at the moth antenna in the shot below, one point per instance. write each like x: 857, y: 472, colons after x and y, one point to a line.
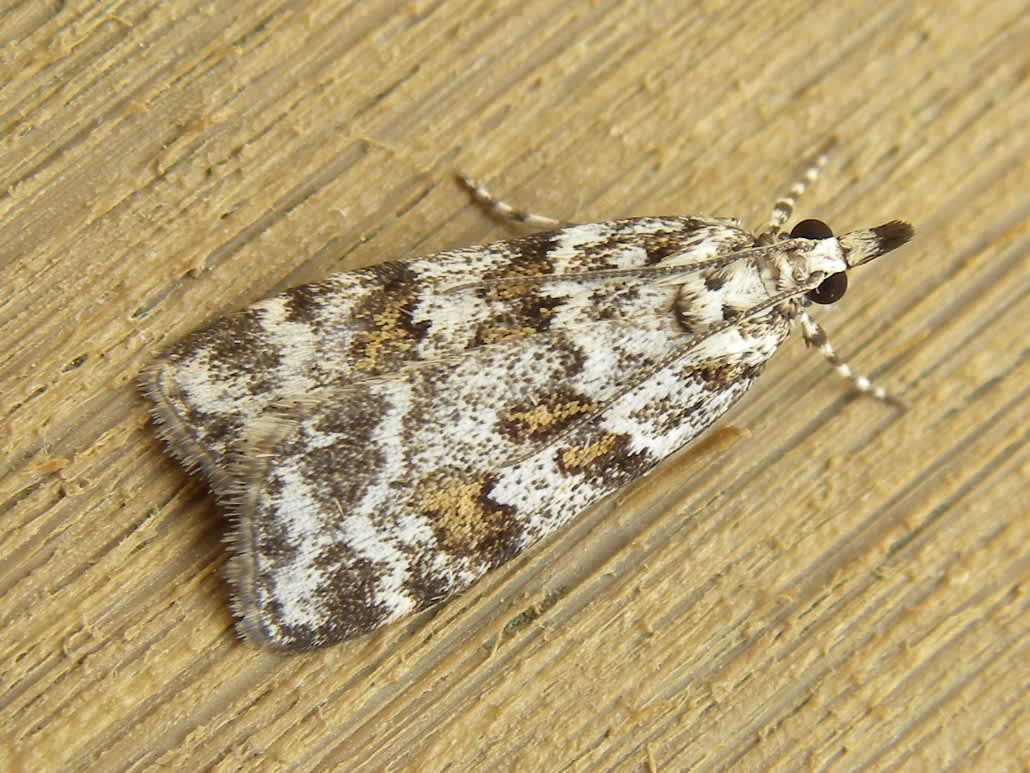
x: 784, y: 206
x: 504, y: 210
x: 814, y: 335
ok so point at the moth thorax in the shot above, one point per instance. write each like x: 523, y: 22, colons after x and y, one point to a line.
x: 712, y: 298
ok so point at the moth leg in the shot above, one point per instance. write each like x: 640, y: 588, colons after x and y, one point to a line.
x: 784, y: 206
x: 502, y: 209
x: 815, y: 336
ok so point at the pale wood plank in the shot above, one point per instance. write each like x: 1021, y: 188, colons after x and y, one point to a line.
x: 821, y: 583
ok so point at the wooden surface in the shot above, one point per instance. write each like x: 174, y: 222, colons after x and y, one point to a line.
x: 824, y: 582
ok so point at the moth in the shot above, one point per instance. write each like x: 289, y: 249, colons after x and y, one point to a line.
x: 383, y: 438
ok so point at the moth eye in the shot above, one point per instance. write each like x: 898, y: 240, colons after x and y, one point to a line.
x: 830, y: 290
x: 811, y: 229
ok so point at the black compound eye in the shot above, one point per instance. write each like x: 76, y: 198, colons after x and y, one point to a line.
x: 811, y: 229
x: 830, y: 290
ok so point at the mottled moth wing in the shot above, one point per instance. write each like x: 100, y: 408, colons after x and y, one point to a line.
x: 368, y: 322
x: 363, y: 504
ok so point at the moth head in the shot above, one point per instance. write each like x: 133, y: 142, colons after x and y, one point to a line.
x: 821, y: 268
